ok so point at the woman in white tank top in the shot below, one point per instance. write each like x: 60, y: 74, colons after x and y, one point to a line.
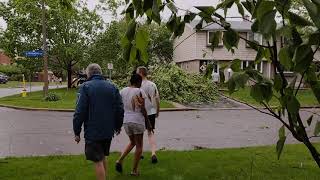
x: 135, y: 118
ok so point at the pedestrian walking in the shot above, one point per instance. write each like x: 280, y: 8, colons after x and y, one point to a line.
x: 135, y: 122
x: 152, y: 104
x: 100, y: 109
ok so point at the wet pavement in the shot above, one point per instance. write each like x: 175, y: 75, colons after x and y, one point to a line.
x: 25, y: 133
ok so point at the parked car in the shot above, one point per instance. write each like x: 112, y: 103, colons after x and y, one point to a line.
x: 3, y: 79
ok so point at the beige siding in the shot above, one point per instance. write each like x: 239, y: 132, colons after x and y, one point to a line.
x: 186, y: 50
x: 190, y: 66
x: 222, y: 53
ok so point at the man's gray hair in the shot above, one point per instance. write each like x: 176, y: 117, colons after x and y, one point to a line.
x: 143, y: 70
x: 93, y: 69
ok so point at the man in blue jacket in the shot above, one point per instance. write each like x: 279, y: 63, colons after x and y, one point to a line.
x: 100, y: 110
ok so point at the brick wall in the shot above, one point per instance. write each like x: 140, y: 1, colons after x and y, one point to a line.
x: 4, y: 60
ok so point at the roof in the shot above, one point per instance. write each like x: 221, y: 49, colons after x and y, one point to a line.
x: 241, y: 25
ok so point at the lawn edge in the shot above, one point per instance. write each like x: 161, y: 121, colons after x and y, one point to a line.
x: 72, y: 110
x: 247, y: 104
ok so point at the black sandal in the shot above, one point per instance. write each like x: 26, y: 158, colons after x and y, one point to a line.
x: 119, y: 167
x: 154, y: 159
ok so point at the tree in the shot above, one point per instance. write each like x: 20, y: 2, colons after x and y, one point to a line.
x: 296, y: 55
x: 70, y: 33
x: 107, y: 47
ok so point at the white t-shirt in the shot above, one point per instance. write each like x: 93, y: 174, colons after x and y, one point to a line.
x: 132, y: 107
x: 152, y: 94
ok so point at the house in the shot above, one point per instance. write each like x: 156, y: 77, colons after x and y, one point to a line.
x: 192, y: 50
x: 4, y: 60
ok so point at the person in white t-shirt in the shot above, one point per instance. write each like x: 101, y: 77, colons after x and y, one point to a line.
x: 135, y: 121
x: 152, y: 104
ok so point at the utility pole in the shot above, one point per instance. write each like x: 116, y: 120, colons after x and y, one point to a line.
x: 45, y: 50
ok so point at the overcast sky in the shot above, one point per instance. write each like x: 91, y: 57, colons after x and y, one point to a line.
x: 185, y: 4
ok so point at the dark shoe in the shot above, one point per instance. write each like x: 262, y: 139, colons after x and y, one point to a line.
x: 142, y: 157
x: 154, y: 159
x: 119, y: 167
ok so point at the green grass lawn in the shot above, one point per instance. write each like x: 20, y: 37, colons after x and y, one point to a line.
x: 68, y: 99
x: 258, y: 163
x: 305, y: 97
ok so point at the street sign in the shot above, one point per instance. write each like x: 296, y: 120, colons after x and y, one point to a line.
x: 110, y: 66
x: 34, y: 54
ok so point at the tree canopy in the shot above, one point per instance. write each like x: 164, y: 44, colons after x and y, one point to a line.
x: 296, y: 55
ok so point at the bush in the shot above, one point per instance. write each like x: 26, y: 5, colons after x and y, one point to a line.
x: 52, y: 97
x: 10, y: 70
x: 176, y: 85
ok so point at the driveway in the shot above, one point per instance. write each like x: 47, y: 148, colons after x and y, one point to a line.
x: 25, y: 133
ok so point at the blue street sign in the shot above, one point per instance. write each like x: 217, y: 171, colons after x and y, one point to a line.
x: 34, y: 54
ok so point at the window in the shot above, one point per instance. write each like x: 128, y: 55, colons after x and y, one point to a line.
x: 254, y: 37
x: 210, y: 38
x: 251, y: 64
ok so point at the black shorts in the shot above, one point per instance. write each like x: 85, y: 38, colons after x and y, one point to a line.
x: 152, y: 119
x: 97, y: 150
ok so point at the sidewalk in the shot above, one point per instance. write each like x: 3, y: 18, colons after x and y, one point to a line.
x: 12, y: 91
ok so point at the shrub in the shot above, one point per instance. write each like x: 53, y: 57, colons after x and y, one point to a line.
x: 52, y: 97
x: 10, y: 70
x: 174, y: 84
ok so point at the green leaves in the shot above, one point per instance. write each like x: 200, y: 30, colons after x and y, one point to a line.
x: 302, y: 58
x: 267, y: 24
x: 298, y: 20
x: 238, y: 80
x: 281, y: 141
x: 313, y: 10
x: 240, y: 8
x: 278, y: 83
x: 236, y: 65
x: 293, y: 105
x: 285, y: 58
x: 215, y: 40
x: 264, y: 7
x: 131, y: 30
x: 231, y: 39
x: 172, y: 7
x: 312, y: 80
x: 206, y: 13
x: 156, y: 12
x: 142, y: 39
x: 261, y: 92
x: 189, y: 17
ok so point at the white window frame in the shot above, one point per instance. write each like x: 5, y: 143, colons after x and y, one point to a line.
x: 260, y: 40
x: 208, y: 38
x: 256, y: 65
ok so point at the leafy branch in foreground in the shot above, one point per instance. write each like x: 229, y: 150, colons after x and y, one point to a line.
x: 295, y: 55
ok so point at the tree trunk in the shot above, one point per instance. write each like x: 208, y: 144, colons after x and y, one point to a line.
x: 315, y: 154
x: 69, y: 72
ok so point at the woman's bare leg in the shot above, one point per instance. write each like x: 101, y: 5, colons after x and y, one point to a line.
x: 137, y: 156
x: 127, y: 150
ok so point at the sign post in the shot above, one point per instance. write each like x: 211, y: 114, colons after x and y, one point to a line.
x: 110, y: 68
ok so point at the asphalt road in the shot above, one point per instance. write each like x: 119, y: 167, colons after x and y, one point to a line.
x: 24, y: 133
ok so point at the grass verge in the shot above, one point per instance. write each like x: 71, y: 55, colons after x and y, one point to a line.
x: 68, y: 99
x: 306, y: 98
x: 230, y: 164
